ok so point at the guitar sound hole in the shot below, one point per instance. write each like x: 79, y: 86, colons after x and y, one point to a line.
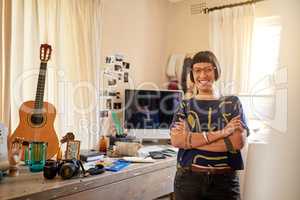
x: 37, y: 119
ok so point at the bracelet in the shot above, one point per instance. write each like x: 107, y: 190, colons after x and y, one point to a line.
x: 205, y: 137
x: 190, y: 140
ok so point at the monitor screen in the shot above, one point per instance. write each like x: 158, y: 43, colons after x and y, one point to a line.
x: 150, y: 109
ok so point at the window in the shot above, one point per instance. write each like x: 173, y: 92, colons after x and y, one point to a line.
x: 265, y: 49
x: 263, y: 103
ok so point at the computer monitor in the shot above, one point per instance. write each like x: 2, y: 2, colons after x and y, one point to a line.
x: 148, y: 113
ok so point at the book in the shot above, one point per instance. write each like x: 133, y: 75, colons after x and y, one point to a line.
x: 117, y: 165
x: 90, y: 155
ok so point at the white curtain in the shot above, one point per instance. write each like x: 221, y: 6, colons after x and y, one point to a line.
x: 230, y: 40
x: 72, y: 28
x: 5, y: 45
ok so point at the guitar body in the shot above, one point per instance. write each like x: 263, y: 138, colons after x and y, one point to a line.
x: 41, y: 129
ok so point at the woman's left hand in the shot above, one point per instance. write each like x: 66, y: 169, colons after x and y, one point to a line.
x: 179, y: 134
x: 181, y: 125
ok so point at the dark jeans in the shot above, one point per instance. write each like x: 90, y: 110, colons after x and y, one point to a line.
x: 193, y: 185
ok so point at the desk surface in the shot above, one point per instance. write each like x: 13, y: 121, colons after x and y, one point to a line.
x: 33, y: 185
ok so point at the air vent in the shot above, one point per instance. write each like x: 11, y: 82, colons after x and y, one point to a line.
x: 198, y: 8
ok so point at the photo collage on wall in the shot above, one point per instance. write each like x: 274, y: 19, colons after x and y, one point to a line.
x: 116, y: 76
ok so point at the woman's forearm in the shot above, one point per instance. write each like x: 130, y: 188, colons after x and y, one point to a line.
x: 199, y: 139
x: 213, y: 141
x: 237, y: 139
x: 217, y: 146
x: 188, y: 140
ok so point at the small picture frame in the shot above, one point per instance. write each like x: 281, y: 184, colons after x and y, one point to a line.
x: 73, y: 149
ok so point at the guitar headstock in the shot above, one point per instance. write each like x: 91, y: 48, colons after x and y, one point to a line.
x: 45, y: 52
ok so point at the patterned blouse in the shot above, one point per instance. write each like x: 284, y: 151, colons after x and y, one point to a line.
x: 210, y: 115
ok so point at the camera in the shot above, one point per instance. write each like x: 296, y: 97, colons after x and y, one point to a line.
x: 66, y: 168
x: 69, y: 168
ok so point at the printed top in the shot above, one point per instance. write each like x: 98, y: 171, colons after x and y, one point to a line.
x: 210, y: 115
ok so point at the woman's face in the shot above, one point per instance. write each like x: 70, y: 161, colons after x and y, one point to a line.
x: 204, y: 76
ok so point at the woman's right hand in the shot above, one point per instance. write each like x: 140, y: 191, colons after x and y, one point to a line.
x: 234, y: 125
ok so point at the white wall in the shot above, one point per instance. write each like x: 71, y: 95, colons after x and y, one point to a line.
x: 138, y: 29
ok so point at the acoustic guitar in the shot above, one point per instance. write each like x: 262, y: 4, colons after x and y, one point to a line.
x: 37, y: 117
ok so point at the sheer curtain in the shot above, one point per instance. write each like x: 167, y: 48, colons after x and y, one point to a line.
x: 72, y: 28
x: 5, y: 33
x: 230, y: 39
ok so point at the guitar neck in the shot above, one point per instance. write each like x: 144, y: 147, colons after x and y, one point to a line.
x: 39, y: 97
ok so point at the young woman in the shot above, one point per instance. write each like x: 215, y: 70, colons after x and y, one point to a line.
x: 209, y: 131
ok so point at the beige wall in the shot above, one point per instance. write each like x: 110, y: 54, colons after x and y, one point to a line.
x: 137, y: 29
x: 186, y: 33
x: 189, y: 33
x: 147, y: 32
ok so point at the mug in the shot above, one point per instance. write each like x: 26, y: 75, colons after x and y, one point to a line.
x: 37, y: 156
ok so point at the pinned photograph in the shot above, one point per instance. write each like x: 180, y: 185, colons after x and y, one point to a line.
x: 118, y: 95
x: 126, y: 65
x: 126, y: 77
x: 119, y: 57
x: 108, y: 73
x: 112, y: 94
x: 118, y: 68
x: 120, y: 77
x: 117, y: 105
x: 112, y: 82
x: 109, y: 59
x: 103, y: 113
x: 108, y: 104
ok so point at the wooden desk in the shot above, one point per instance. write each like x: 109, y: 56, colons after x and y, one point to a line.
x: 138, y: 181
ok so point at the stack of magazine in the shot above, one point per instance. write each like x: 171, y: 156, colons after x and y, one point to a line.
x: 91, y: 155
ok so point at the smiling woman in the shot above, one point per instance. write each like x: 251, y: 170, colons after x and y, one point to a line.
x: 209, y: 131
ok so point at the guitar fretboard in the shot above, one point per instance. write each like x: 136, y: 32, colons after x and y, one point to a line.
x: 39, y: 98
